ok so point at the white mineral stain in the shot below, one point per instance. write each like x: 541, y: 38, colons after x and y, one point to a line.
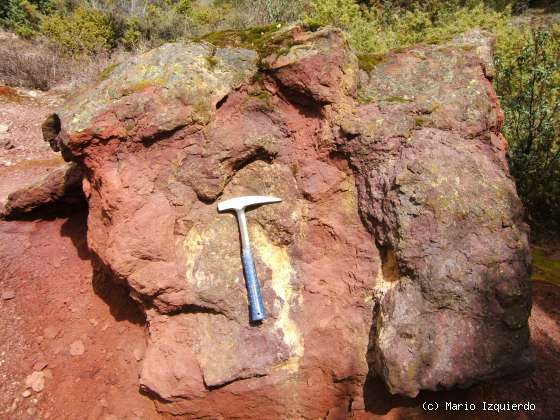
x: 277, y: 259
x: 193, y: 245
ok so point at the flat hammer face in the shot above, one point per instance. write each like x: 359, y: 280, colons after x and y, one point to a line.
x: 238, y: 205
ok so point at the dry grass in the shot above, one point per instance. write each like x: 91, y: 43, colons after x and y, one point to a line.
x: 40, y: 65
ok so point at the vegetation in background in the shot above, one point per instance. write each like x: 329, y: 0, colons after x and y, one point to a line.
x: 82, y: 31
x: 377, y: 29
x: 528, y: 83
x: 88, y: 26
x: 527, y: 58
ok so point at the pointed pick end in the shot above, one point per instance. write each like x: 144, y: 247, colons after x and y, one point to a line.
x: 239, y: 203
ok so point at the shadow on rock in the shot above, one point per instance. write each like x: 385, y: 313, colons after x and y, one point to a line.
x: 75, y: 228
x: 115, y: 295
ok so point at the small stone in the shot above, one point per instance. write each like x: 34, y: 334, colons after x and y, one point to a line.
x: 39, y: 365
x: 4, y: 128
x: 138, y: 354
x: 26, y: 393
x: 31, y: 411
x: 77, y: 348
x: 36, y: 381
x: 93, y: 322
x: 8, y: 294
x: 50, y: 332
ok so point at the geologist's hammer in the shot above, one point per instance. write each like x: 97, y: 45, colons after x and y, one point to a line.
x: 238, y: 204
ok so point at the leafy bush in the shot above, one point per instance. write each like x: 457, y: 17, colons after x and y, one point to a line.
x: 528, y: 82
x: 377, y: 29
x: 23, y: 16
x: 85, y: 31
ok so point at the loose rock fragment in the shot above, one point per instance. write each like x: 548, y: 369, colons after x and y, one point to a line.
x: 36, y: 381
x: 51, y: 332
x: 77, y: 348
x: 8, y: 294
x: 39, y: 365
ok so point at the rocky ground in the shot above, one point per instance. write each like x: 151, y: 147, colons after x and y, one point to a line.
x: 85, y: 338
x: 28, y: 168
x: 71, y: 342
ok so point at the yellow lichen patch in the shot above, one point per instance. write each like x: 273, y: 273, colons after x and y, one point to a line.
x: 348, y: 202
x: 277, y: 260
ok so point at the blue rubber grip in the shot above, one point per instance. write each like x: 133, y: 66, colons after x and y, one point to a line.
x: 256, y: 305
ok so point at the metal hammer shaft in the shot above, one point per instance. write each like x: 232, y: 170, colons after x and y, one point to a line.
x: 256, y: 305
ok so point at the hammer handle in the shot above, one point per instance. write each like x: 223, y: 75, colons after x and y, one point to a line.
x: 256, y: 305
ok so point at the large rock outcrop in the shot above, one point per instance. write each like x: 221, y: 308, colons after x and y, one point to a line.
x: 399, y: 249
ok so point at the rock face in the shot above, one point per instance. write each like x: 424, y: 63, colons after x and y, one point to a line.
x: 399, y: 249
x: 56, y: 182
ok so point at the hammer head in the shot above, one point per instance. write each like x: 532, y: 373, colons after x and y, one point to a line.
x: 239, y: 203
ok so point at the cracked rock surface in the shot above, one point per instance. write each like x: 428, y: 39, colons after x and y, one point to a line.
x: 399, y: 249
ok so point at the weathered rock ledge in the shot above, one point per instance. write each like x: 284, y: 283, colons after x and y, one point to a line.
x: 399, y: 249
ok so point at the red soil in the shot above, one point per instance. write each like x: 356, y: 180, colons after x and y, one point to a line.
x: 60, y: 299
x: 57, y: 291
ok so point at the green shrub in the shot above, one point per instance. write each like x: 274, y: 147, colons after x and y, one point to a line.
x: 377, y: 29
x: 132, y: 36
x: 528, y: 83
x: 85, y: 31
x: 22, y: 16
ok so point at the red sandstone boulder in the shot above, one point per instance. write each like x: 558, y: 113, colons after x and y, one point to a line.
x: 399, y: 249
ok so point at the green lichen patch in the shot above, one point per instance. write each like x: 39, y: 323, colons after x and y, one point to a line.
x: 365, y: 97
x: 397, y: 99
x: 258, y: 38
x: 420, y: 121
x: 262, y: 95
x: 545, y: 267
x: 368, y: 62
x: 107, y: 71
x: 211, y: 61
x: 140, y: 86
